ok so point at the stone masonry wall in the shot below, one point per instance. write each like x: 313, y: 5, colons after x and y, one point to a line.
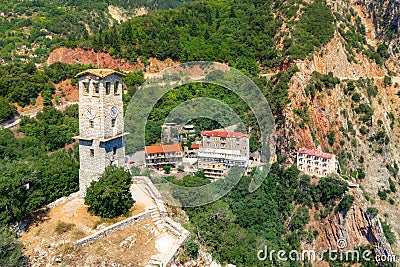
x: 110, y: 229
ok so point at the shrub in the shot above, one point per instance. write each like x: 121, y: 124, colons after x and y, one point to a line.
x: 331, y: 138
x: 328, y: 190
x: 63, y: 227
x: 110, y: 196
x: 192, y: 248
x: 167, y: 169
x: 356, y: 97
x: 387, y: 81
x: 382, y: 195
x: 7, y: 110
x: 364, y: 130
x: 350, y: 86
x: 392, y: 186
x: 387, y: 230
x: 361, y: 173
x: 10, y: 247
x: 301, y: 218
x: 373, y: 211
x: 345, y: 204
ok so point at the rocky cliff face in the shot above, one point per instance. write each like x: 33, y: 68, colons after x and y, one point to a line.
x: 386, y: 21
x: 356, y: 141
x: 105, y: 60
x: 356, y: 229
x: 82, y: 56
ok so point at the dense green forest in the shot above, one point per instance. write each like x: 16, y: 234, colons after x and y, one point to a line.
x: 248, y: 34
x: 25, y: 24
x: 238, y: 32
x: 36, y: 170
x: 22, y: 83
x: 235, y: 227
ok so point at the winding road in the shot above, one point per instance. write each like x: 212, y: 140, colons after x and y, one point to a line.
x: 31, y: 113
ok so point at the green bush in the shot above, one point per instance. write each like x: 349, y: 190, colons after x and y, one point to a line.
x: 373, y: 211
x: 63, y: 227
x: 387, y: 230
x: 167, y: 169
x: 191, y: 248
x: 10, y: 248
x: 7, y: 110
x: 345, y: 204
x: 382, y: 194
x: 387, y: 81
x: 110, y: 196
x: 356, y: 97
x: 392, y: 186
x: 300, y: 218
x: 364, y: 130
x: 331, y: 138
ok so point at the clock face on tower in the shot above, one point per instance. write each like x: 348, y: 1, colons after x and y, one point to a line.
x: 90, y: 113
x: 113, y: 112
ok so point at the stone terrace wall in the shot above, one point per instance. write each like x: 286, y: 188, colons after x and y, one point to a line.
x: 110, y: 229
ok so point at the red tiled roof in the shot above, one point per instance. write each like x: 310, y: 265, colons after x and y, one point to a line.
x: 102, y: 73
x: 317, y: 153
x: 224, y: 134
x: 163, y: 148
x: 195, y: 146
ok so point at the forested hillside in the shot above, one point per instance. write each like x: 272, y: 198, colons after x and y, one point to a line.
x: 283, y: 39
x: 324, y: 76
x: 36, y: 169
x: 30, y: 28
x: 242, y: 32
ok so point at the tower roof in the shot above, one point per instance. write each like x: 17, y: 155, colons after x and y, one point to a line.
x: 102, y: 73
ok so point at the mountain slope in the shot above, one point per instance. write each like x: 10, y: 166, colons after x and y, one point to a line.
x: 29, y: 28
x: 329, y: 85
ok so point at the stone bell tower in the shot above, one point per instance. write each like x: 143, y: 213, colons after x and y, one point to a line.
x: 101, y: 124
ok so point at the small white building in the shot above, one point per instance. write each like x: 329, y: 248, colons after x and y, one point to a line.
x: 316, y: 162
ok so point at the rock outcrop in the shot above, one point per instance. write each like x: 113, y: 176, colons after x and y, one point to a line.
x: 83, y: 56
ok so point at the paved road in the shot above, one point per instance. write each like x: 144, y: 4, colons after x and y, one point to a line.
x: 31, y: 113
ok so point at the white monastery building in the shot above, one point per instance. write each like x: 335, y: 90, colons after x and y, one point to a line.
x: 315, y: 162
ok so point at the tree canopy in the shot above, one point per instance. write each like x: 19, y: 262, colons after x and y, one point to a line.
x: 10, y: 248
x: 110, y: 196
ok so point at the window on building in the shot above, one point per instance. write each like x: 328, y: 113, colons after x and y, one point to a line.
x: 91, y: 124
x: 113, y: 123
x: 96, y: 88
x: 116, y: 87
x: 114, y: 150
x: 91, y: 153
x: 108, y: 88
x: 85, y: 88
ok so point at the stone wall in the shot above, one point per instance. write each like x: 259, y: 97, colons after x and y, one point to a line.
x: 172, y: 226
x: 152, y: 191
x: 110, y: 229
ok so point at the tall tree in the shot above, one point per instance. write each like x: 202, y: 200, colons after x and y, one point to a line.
x: 110, y: 196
